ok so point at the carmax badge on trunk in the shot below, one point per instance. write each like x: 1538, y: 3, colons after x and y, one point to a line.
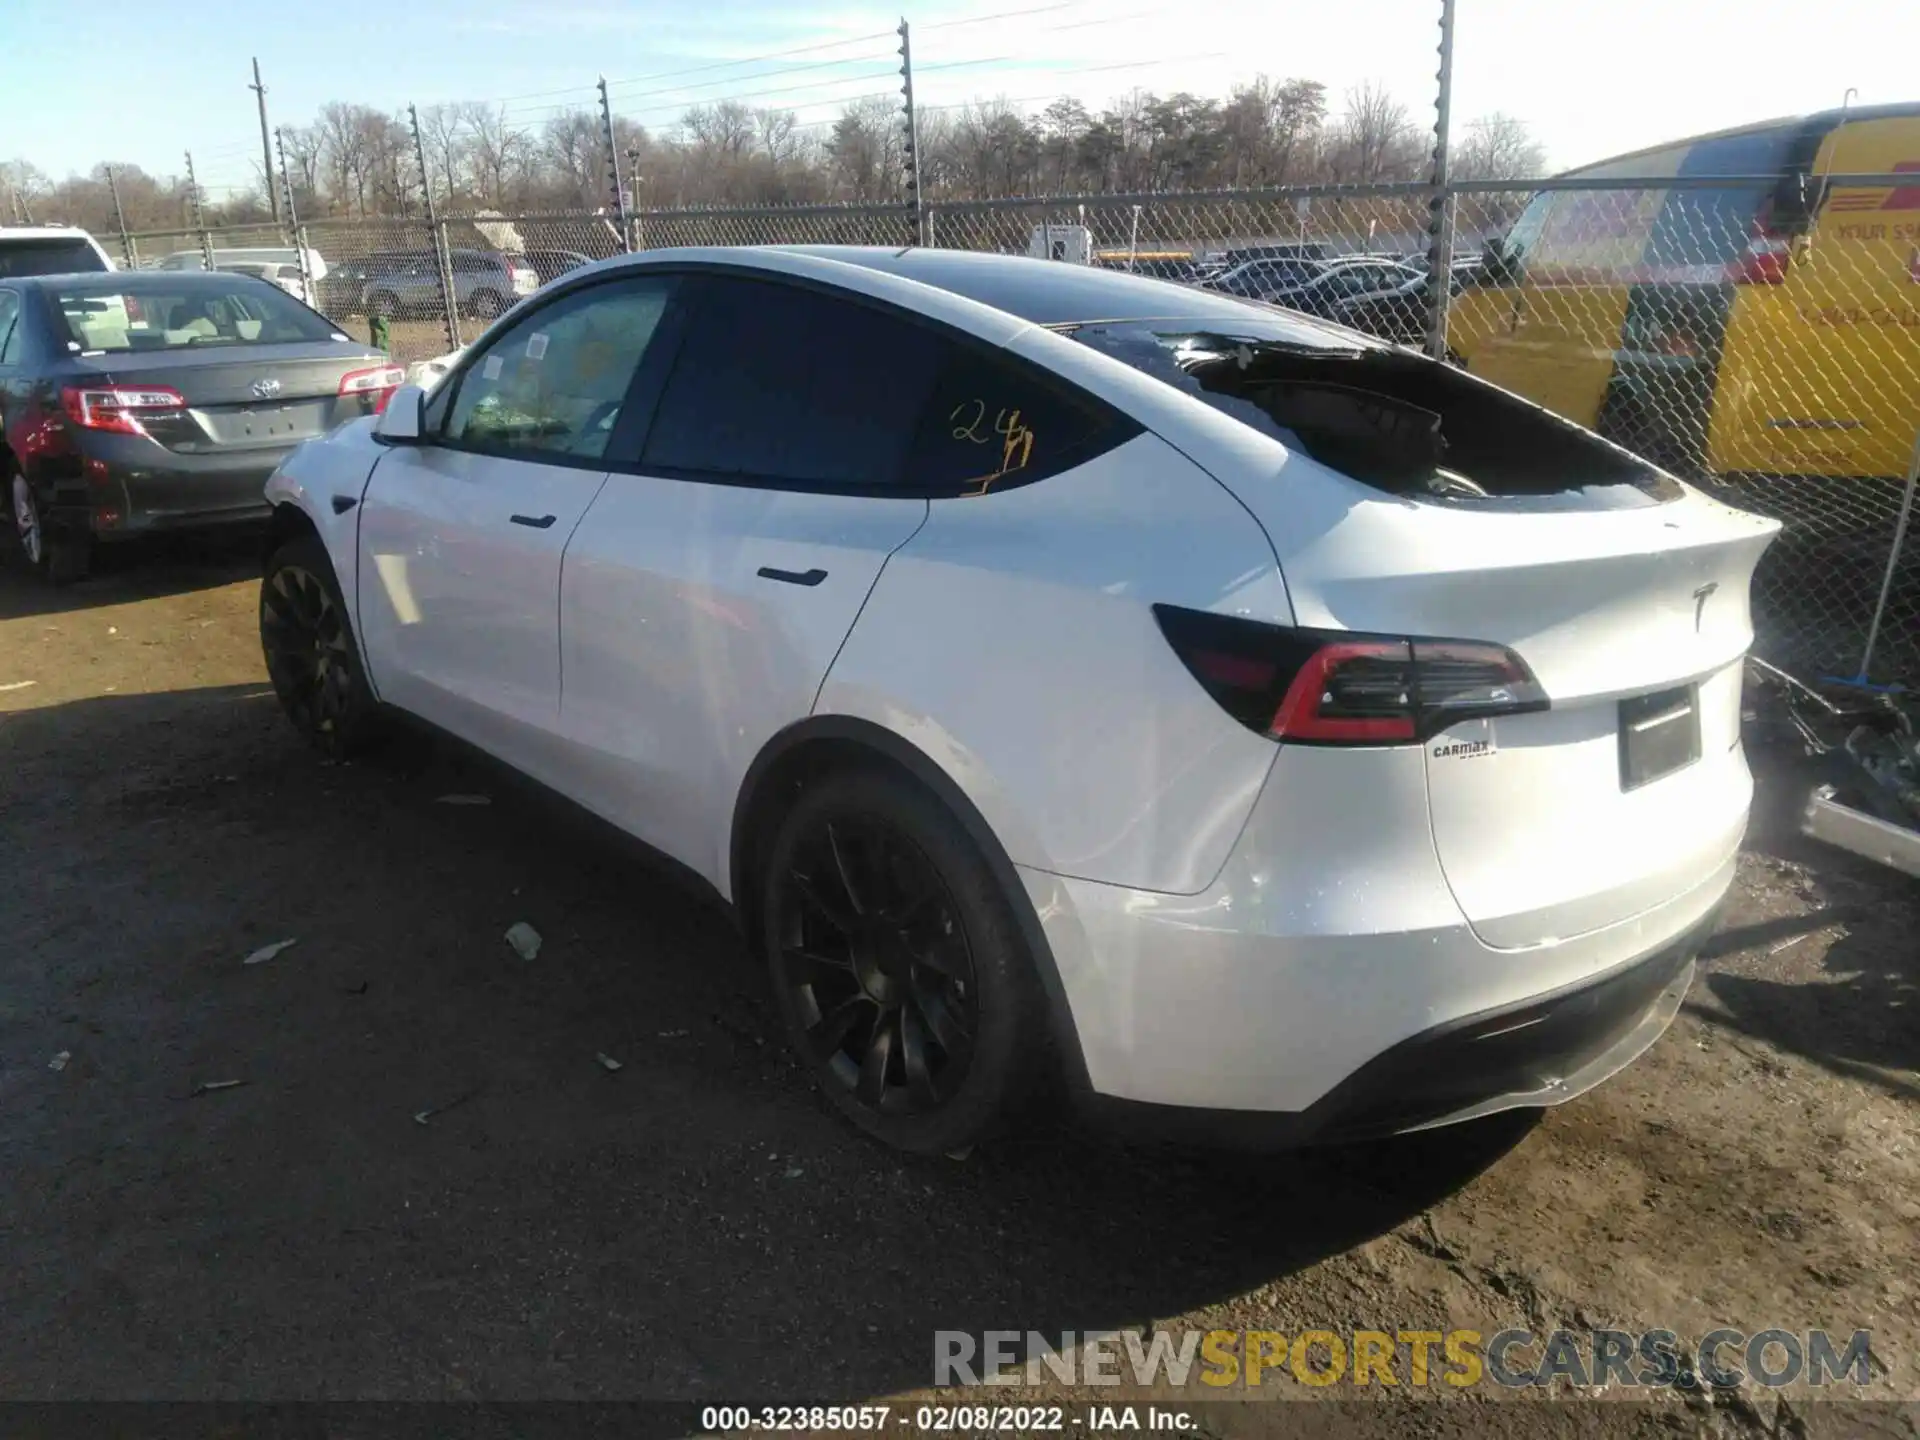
x: 266, y: 389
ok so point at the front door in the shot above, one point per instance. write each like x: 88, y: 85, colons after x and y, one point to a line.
x: 462, y: 536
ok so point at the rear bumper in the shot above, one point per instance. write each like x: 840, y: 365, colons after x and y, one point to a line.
x: 132, y: 486
x: 1328, y: 982
x: 1536, y: 1053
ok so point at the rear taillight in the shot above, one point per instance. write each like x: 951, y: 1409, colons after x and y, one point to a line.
x: 377, y: 384
x: 1331, y: 687
x: 119, y: 408
x: 1764, y: 261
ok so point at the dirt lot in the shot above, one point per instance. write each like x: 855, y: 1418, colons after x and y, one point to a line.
x: 696, y: 1225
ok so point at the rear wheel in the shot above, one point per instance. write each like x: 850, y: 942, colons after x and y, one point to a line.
x: 58, y: 556
x: 311, y: 656
x: 488, y: 305
x: 900, y: 971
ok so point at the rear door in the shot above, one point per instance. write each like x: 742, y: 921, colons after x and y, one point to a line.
x: 709, y: 590
x: 462, y: 537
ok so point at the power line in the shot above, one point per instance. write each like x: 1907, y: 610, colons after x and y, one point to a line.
x: 763, y: 75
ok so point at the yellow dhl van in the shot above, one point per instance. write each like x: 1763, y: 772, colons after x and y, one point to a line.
x: 1765, y: 329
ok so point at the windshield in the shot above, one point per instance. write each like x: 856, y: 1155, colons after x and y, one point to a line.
x: 105, y: 318
x: 59, y: 255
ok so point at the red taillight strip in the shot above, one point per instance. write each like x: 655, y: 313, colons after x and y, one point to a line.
x: 1298, y: 716
x: 117, y: 408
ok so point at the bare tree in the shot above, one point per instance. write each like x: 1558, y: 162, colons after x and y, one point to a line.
x: 1375, y: 141
x: 443, y: 137
x: 1498, y: 147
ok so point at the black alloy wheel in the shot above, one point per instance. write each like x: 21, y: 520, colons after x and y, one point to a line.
x: 309, y: 649
x: 875, y: 961
x: 904, y: 978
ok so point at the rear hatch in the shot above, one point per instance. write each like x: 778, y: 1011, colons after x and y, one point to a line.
x: 249, y: 396
x: 1446, y: 509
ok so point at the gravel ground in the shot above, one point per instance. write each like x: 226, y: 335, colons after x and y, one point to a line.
x: 695, y: 1225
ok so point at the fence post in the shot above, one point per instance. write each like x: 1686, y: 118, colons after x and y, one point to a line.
x: 309, y: 287
x: 120, y: 218
x: 1440, y: 205
x: 199, y: 215
x: 442, y: 260
x: 1893, y: 557
x: 928, y: 217
x: 613, y: 166
x: 911, y: 142
x: 443, y: 255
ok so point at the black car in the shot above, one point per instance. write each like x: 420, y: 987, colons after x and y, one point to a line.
x: 1253, y: 279
x: 135, y: 401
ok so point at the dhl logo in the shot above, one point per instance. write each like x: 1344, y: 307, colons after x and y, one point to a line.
x: 1898, y: 197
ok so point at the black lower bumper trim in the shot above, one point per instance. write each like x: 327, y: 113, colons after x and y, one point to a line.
x: 1541, y: 1051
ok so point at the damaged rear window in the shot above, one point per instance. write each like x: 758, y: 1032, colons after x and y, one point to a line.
x: 1388, y: 417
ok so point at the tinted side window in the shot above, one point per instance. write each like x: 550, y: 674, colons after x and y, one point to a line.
x: 9, y: 326
x: 553, y: 383
x: 995, y: 422
x: 788, y: 385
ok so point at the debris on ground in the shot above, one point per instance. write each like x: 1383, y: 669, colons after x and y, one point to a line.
x: 795, y: 1172
x: 207, y: 1087
x: 524, y: 939
x: 608, y: 1063
x: 459, y: 799
x: 421, y: 1117
x: 674, y: 1034
x: 19, y: 685
x: 59, y: 1062
x: 267, y: 952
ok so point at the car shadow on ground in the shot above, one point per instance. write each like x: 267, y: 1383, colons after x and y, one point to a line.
x: 430, y: 1182
x: 130, y: 571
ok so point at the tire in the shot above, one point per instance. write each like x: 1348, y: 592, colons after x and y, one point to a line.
x: 312, y: 657
x: 898, y: 965
x: 487, y: 305
x: 385, y: 304
x: 58, y: 557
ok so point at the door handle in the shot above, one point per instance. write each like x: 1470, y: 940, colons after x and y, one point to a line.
x: 537, y: 522
x: 793, y: 577
x: 344, y: 503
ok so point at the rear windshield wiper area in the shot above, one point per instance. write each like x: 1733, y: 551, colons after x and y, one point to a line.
x: 1389, y: 418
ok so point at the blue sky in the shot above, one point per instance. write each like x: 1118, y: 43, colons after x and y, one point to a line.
x: 1591, y: 80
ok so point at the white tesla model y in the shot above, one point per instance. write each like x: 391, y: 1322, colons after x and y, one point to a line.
x: 1268, y: 731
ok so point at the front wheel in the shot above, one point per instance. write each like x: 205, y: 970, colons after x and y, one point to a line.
x: 311, y: 656
x: 900, y: 971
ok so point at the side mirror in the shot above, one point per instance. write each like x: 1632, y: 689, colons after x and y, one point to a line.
x: 403, y: 422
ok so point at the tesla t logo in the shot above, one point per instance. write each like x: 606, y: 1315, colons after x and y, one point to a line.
x: 1700, y: 598
x: 265, y: 389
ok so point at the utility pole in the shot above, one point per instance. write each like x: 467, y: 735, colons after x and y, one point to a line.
x: 1440, y: 201
x: 199, y: 215
x: 266, y: 148
x: 120, y: 218
x: 442, y: 261
x: 912, y: 140
x: 613, y: 167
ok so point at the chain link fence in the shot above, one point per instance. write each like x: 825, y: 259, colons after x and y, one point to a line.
x: 1759, y: 338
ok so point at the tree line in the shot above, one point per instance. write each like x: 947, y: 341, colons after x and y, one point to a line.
x: 355, y: 161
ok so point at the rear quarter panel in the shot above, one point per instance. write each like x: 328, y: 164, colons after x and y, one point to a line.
x: 1012, y: 641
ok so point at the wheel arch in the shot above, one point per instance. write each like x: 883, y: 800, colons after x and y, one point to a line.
x: 821, y: 743
x: 288, y: 522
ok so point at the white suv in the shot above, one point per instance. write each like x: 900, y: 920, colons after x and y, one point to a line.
x: 49, y: 250
x: 1273, y: 731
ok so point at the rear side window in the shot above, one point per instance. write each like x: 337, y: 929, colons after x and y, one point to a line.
x: 994, y: 422
x: 57, y: 256
x: 783, y: 385
x: 9, y: 326
x: 786, y: 385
